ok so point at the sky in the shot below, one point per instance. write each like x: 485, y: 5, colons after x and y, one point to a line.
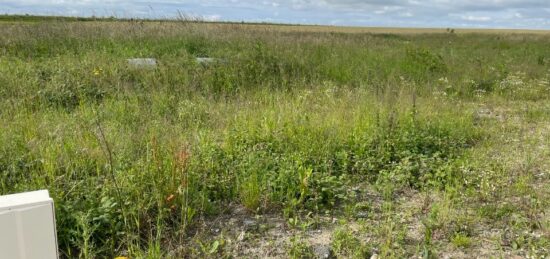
x: 520, y: 14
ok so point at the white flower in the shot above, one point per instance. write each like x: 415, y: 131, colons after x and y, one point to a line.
x: 511, y: 81
x: 443, y: 80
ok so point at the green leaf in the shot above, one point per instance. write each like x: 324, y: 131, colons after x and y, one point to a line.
x: 215, y: 246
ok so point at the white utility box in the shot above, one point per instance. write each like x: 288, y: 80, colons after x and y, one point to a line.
x: 27, y: 226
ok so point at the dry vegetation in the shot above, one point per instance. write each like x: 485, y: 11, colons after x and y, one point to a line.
x: 386, y: 30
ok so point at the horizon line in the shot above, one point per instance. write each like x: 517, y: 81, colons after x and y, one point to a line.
x: 203, y: 19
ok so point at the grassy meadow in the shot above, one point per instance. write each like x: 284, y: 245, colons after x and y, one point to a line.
x: 293, y: 144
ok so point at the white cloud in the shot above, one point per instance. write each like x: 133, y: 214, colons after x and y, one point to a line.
x: 424, y: 13
x: 476, y: 18
x: 212, y: 17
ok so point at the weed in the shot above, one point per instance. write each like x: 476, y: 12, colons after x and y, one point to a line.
x: 345, y: 244
x: 299, y: 249
x: 461, y: 240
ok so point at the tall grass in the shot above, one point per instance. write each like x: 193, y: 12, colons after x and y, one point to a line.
x: 286, y: 121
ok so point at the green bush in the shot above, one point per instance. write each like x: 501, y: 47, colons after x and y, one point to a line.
x: 420, y: 63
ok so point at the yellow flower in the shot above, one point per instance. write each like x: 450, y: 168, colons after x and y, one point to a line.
x: 121, y: 257
x: 97, y: 71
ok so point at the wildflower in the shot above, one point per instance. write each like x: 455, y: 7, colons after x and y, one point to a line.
x: 512, y: 81
x: 443, y: 80
x: 97, y: 71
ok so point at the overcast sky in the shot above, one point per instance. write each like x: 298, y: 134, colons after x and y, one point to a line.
x: 534, y: 14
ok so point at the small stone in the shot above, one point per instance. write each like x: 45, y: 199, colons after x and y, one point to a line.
x: 250, y: 224
x: 142, y: 62
x: 374, y: 256
x: 322, y: 251
x: 362, y: 215
x: 206, y: 61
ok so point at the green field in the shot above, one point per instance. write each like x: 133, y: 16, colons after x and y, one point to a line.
x: 296, y: 141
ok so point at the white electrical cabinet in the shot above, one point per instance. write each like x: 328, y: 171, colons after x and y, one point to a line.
x: 27, y: 226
